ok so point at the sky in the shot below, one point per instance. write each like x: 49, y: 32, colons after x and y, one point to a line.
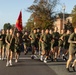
x: 9, y: 10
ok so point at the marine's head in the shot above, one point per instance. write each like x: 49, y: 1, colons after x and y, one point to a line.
x: 47, y: 31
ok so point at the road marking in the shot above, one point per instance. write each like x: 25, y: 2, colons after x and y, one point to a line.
x: 24, y: 58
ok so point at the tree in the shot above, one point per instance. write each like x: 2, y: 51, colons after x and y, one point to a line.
x: 42, y: 13
x: 74, y: 16
x: 7, y: 26
x: 29, y: 25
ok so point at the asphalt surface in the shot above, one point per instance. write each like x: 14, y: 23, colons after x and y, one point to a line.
x: 27, y: 66
x: 60, y: 68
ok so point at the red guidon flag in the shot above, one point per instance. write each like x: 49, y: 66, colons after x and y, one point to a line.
x: 19, y: 22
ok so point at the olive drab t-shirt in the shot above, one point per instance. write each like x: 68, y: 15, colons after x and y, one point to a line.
x: 72, y: 38
x: 38, y: 38
x: 60, y: 41
x: 3, y: 38
x: 18, y: 40
x: 46, y: 41
x: 65, y: 40
x: 18, y: 43
x: 34, y: 37
x: 56, y: 36
x: 25, y: 38
x: 8, y: 38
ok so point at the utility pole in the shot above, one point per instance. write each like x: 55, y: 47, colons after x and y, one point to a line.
x: 63, y: 7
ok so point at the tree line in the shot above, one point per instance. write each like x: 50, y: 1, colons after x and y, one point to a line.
x: 42, y: 15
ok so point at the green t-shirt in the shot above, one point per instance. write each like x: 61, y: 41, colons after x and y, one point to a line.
x: 34, y: 37
x: 71, y: 39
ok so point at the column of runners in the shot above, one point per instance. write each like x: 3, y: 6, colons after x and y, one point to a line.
x: 49, y: 43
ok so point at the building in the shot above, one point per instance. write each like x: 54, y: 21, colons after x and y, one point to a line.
x: 59, y: 21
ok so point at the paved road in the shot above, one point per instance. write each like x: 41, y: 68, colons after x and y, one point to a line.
x: 59, y: 68
x: 27, y: 66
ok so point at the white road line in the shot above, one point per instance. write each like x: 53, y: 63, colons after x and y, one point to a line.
x: 24, y: 58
